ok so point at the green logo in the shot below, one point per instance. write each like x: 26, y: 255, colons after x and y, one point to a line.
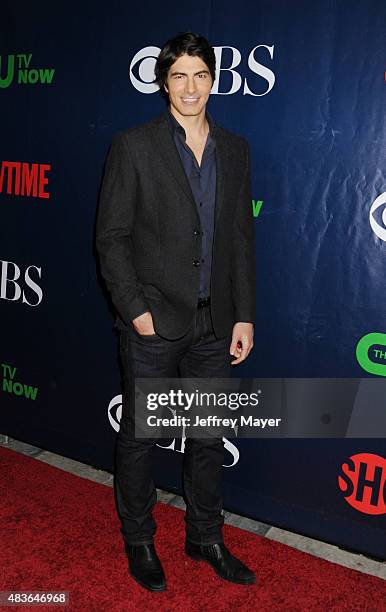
x: 366, y: 351
x: 14, y: 387
x: 256, y: 207
x: 19, y: 70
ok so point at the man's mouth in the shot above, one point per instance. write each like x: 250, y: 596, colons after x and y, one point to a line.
x: 190, y: 100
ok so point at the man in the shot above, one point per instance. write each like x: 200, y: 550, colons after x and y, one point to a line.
x: 176, y: 244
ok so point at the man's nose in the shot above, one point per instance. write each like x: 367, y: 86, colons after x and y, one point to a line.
x: 191, y: 85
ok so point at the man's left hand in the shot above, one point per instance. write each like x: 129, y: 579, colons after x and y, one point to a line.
x: 242, y: 341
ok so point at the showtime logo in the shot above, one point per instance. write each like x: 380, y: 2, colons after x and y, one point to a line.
x: 24, y: 179
x: 13, y: 285
x: 21, y: 71
x: 363, y: 483
x: 228, y: 59
x: 114, y: 413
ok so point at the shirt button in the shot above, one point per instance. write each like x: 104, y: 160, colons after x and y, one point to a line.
x: 196, y: 262
x: 200, y: 203
x: 196, y: 232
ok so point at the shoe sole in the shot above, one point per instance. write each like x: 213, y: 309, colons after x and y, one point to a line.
x: 146, y: 586
x: 198, y: 558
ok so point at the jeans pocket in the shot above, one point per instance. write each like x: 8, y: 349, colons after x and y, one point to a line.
x: 146, y: 337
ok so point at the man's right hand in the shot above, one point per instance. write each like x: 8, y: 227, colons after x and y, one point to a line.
x: 143, y: 324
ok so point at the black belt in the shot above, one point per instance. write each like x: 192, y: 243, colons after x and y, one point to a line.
x: 202, y: 302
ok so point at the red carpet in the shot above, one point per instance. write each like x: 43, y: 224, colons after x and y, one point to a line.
x: 61, y: 532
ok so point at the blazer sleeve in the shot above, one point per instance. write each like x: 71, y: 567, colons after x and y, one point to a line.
x: 114, y: 225
x: 243, y: 250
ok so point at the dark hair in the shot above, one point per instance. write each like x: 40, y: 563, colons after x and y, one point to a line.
x: 184, y: 43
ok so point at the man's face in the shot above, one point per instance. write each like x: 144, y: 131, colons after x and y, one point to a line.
x: 188, y: 85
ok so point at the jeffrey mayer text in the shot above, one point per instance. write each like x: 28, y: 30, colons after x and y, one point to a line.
x: 211, y: 421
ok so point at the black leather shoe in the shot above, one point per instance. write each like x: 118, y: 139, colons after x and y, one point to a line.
x: 223, y: 562
x: 145, y: 566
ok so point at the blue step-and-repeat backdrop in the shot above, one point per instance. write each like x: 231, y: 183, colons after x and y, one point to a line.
x: 305, y: 83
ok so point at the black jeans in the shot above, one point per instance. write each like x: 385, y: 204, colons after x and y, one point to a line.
x: 198, y: 354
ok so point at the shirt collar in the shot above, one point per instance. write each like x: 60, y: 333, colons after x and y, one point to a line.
x: 176, y: 126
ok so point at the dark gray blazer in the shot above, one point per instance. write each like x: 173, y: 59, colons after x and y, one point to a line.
x: 148, y: 232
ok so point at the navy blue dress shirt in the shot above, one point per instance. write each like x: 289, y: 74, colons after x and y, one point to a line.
x: 202, y: 181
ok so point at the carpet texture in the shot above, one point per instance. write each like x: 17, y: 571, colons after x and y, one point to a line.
x: 61, y: 532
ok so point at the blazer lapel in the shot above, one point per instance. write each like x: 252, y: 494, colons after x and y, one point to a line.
x: 221, y: 169
x: 170, y: 157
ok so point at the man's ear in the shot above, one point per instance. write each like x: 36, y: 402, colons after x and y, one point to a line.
x: 166, y: 89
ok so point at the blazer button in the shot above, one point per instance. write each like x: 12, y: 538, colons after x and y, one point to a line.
x: 196, y: 262
x: 196, y: 232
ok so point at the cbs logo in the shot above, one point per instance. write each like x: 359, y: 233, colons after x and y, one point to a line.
x: 144, y: 61
x: 114, y: 413
x: 377, y: 215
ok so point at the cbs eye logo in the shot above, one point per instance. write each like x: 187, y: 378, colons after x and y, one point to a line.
x: 377, y: 214
x: 114, y: 412
x: 146, y: 59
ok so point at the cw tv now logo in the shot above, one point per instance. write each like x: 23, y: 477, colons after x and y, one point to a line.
x: 363, y: 483
x: 16, y: 285
x: 19, y: 69
x: 14, y: 387
x: 114, y: 413
x: 228, y: 61
x: 24, y: 179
